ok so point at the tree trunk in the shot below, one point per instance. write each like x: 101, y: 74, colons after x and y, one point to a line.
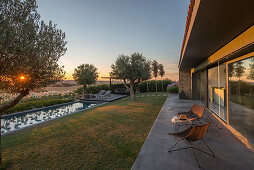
x: 147, y: 88
x: 131, y: 89
x: 6, y: 107
x: 155, y: 85
x: 84, y: 91
x: 132, y: 92
x: 14, y: 102
x: 162, y: 84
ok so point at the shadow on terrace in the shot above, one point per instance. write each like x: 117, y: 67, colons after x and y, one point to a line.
x: 230, y: 153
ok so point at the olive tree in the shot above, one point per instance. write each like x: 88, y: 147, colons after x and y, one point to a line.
x: 29, y: 50
x: 134, y: 69
x: 85, y: 74
x: 161, y: 73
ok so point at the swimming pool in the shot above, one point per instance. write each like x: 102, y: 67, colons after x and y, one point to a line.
x: 13, y: 122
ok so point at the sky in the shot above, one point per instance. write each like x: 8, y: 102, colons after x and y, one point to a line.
x: 98, y: 31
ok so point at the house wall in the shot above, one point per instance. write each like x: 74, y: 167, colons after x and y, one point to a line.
x: 185, y: 83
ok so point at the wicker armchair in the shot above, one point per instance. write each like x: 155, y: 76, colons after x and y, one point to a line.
x: 195, y: 113
x: 192, y: 134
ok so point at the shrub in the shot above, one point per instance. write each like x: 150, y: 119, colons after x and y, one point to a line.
x: 117, y: 86
x: 37, y: 104
x: 93, y: 89
x: 142, y: 86
x: 173, y: 89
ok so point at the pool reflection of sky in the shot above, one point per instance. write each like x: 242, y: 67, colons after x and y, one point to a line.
x: 31, y: 118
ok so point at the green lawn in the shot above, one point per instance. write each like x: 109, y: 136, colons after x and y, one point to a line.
x: 106, y: 137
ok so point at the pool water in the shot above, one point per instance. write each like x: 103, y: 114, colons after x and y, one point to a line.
x: 18, y: 121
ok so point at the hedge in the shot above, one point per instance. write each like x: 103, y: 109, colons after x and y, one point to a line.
x: 93, y: 89
x: 37, y: 104
x: 173, y: 89
x: 142, y: 86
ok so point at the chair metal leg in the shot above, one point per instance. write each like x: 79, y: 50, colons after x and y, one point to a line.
x: 192, y: 147
x: 204, y: 152
x: 194, y: 154
x: 174, y: 145
x: 213, y: 154
x: 179, y: 149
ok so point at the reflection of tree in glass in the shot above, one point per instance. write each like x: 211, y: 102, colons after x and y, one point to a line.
x: 251, y: 74
x: 251, y: 69
x: 238, y: 72
x: 230, y: 70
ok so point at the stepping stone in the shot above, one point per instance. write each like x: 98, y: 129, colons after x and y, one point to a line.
x: 164, y: 95
x: 153, y: 95
x: 148, y: 95
x: 137, y: 96
x: 158, y: 95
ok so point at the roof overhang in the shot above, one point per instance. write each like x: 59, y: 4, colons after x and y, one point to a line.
x: 212, y: 25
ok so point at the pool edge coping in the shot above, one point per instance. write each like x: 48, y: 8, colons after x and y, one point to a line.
x: 39, y: 123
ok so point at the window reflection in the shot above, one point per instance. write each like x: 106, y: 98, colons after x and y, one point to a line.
x: 217, y: 91
x: 241, y: 90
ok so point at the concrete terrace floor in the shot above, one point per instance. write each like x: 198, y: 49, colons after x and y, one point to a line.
x: 230, y: 152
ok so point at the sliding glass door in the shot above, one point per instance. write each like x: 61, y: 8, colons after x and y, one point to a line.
x: 199, y: 86
x: 217, y: 98
x: 241, y: 97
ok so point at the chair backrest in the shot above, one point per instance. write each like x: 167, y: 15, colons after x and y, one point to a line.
x: 198, y: 110
x: 198, y: 132
x: 107, y: 92
x: 101, y: 92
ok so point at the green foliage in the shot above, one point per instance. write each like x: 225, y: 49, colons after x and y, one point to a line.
x: 134, y: 68
x: 29, y: 48
x: 152, y: 86
x: 155, y: 68
x: 161, y: 70
x: 116, y: 86
x: 37, y: 104
x: 173, y: 89
x: 85, y: 74
x: 93, y: 89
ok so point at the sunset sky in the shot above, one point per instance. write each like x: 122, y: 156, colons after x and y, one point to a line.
x: 98, y: 31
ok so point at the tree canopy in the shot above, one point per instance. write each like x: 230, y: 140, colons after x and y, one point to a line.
x: 161, y: 70
x: 29, y: 48
x: 155, y: 68
x: 239, y: 69
x: 134, y: 68
x: 85, y: 74
x: 251, y: 69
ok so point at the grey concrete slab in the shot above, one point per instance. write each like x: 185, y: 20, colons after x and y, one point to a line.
x: 230, y: 152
